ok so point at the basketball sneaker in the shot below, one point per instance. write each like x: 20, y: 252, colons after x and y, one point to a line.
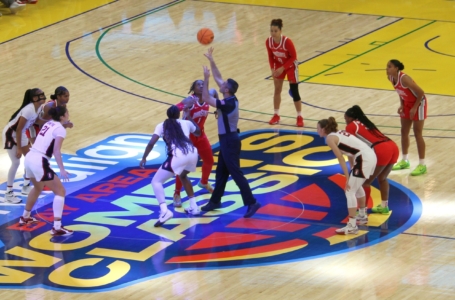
x: 381, y: 210
x: 11, y: 198
x: 61, y: 232
x: 177, y: 200
x: 275, y: 120
x: 349, y: 229
x: 361, y: 220
x: 16, y: 6
x: 163, y: 218
x: 401, y: 165
x: 206, y: 186
x: 26, y: 221
x: 26, y: 188
x: 419, y: 170
x: 299, y: 122
x: 193, y: 210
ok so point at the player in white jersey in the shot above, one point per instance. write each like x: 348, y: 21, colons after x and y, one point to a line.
x: 48, y: 143
x: 15, y: 140
x: 362, y: 160
x: 181, y: 159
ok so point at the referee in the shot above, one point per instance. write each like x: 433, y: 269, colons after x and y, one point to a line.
x: 230, y: 145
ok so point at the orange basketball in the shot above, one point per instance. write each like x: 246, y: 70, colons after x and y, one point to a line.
x: 205, y: 36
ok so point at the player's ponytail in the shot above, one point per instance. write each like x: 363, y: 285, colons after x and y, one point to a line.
x: 173, y: 133
x: 57, y: 112
x: 28, y: 98
x: 277, y: 22
x: 59, y: 91
x: 329, y: 125
x: 397, y: 64
x: 357, y: 113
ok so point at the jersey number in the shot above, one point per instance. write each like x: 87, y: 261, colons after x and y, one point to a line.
x: 344, y: 133
x: 43, y: 130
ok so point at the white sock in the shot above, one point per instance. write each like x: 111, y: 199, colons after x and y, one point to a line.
x: 26, y: 181
x: 163, y: 207
x: 9, y: 189
x: 362, y: 212
x: 57, y: 206
x: 385, y: 203
x: 352, y: 221
x: 57, y: 224
x: 299, y: 114
x: 193, y: 203
x: 276, y: 111
x: 422, y: 162
x: 405, y: 156
x: 26, y: 214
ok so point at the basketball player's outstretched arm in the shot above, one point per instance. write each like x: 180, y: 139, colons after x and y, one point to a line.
x: 216, y: 73
x: 206, y: 97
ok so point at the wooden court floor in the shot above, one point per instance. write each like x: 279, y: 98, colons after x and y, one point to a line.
x: 124, y: 63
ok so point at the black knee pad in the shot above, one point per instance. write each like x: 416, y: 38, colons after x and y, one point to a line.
x: 294, y: 91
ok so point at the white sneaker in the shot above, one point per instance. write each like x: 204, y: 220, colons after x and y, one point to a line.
x: 361, y: 220
x: 163, y: 218
x: 16, y: 6
x: 61, y: 232
x: 193, y: 211
x: 177, y: 200
x: 11, y: 198
x: 349, y: 229
x: 26, y: 189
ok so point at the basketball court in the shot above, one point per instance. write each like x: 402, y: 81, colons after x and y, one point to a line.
x: 124, y: 64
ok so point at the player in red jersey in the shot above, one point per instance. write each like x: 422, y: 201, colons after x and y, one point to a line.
x: 385, y: 149
x: 413, y: 112
x: 283, y: 62
x: 199, y: 111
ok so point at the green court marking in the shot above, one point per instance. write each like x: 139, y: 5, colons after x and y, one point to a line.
x: 380, y: 18
x: 368, y: 51
x: 98, y: 42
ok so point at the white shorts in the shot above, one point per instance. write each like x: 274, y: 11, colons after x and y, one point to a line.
x: 9, y: 138
x: 179, y: 162
x: 37, y: 166
x: 364, y: 165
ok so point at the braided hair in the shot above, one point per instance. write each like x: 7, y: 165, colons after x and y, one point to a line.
x: 356, y: 113
x: 173, y: 133
x: 28, y: 98
x: 193, y: 85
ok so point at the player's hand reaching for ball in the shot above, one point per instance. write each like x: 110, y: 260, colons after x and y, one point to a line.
x: 209, y: 54
x: 206, y: 73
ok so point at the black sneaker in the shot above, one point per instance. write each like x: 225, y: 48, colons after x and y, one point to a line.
x: 210, y: 206
x: 252, y: 208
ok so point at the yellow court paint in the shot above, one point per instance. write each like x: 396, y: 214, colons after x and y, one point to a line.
x: 42, y: 14
x: 416, y: 9
x: 425, y: 48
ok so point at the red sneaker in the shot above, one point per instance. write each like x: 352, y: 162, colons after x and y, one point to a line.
x: 299, y: 121
x: 275, y: 120
x: 61, y: 232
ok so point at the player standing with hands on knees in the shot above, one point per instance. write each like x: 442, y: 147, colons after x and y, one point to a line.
x: 181, y: 159
x: 283, y: 62
x: 362, y: 160
x: 412, y: 111
x: 48, y: 143
x: 230, y: 144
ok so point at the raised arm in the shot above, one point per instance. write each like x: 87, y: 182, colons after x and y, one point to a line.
x: 206, y: 97
x: 216, y: 73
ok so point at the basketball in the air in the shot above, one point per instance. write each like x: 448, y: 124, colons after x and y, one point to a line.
x: 205, y: 36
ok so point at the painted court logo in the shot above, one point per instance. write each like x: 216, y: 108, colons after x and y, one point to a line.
x: 111, y: 207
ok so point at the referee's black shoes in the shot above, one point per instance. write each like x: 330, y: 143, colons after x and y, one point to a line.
x: 252, y: 208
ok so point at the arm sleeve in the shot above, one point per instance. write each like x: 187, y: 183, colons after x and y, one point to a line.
x: 180, y: 106
x: 292, y: 53
x: 270, y: 54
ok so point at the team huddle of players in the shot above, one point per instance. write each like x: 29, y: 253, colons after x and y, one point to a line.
x: 37, y: 130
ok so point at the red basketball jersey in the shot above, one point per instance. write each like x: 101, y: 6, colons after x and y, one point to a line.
x: 405, y: 93
x: 281, y: 54
x: 198, y: 112
x: 358, y: 129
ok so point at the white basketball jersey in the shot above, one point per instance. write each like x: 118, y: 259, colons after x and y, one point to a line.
x: 29, y: 113
x: 45, y: 139
x: 351, y: 145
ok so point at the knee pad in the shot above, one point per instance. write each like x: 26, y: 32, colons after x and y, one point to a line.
x: 360, y: 193
x: 294, y: 91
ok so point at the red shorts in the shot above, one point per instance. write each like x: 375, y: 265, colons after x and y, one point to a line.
x: 202, y: 144
x: 421, y: 113
x: 292, y: 73
x: 387, y: 153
